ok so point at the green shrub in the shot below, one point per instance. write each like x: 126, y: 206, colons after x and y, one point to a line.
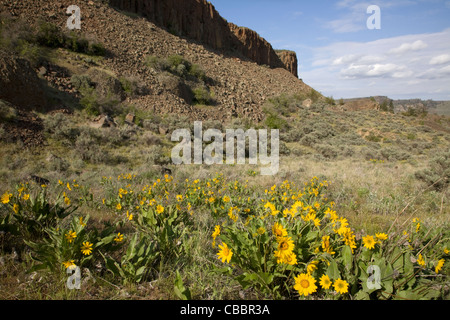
x: 176, y: 65
x: 90, y: 102
x: 373, y: 138
x: 275, y: 122
x: 156, y: 63
x: 61, y: 128
x: 50, y: 35
x: 197, y: 72
x: 35, y: 54
x: 330, y: 101
x: 7, y: 113
x: 96, y: 49
x: 437, y: 175
x: 132, y: 86
x: 202, y: 96
x: 81, y: 82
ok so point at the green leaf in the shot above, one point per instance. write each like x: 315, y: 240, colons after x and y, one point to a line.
x: 140, y: 271
x: 361, y: 295
x: 347, y: 257
x: 131, y: 250
x: 180, y: 290
x: 333, y: 270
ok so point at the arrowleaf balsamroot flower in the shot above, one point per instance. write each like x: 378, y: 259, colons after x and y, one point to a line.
x: 312, y: 266
x: 159, y: 209
x: 129, y: 215
x: 326, y: 247
x: 439, y: 265
x: 325, y: 282
x: 6, y: 197
x: 341, y: 286
x: 421, y: 260
x: 225, y: 253
x: 279, y: 231
x: 285, y: 247
x: 119, y: 237
x: 69, y: 264
x: 71, y: 236
x: 86, y: 248
x: 369, y: 242
x: 305, y: 284
x: 215, y: 234
x: 381, y: 236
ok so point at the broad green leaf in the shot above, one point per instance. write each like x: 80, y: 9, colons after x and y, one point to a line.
x: 347, y: 257
x: 333, y: 270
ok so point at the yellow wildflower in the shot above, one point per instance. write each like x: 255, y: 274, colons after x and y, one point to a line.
x: 129, y: 216
x: 71, y: 236
x: 159, y: 209
x: 439, y: 265
x: 369, y: 242
x: 278, y: 230
x: 119, y: 237
x: 421, y: 260
x: 341, y: 286
x: 312, y: 266
x: 325, y: 282
x: 381, y: 236
x: 305, y: 284
x: 69, y: 264
x: 86, y: 248
x: 285, y: 247
x: 6, y: 197
x: 326, y: 247
x: 225, y: 253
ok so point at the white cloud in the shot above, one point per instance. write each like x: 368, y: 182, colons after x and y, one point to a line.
x: 374, y: 70
x: 442, y: 59
x: 405, y: 47
x: 355, y: 69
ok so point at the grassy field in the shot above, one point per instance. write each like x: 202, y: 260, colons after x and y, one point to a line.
x: 375, y: 184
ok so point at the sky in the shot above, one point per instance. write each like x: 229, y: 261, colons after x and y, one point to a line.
x: 339, y: 55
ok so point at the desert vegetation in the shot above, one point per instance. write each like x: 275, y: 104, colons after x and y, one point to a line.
x: 235, y: 234
x: 357, y: 190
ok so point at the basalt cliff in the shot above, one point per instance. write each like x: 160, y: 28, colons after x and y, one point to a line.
x: 199, y: 21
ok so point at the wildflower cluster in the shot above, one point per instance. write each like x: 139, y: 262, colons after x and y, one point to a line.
x: 287, y: 241
x: 310, y: 250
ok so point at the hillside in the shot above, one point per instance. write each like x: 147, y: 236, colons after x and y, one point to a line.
x: 238, y: 84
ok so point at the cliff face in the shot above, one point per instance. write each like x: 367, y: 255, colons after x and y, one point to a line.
x: 255, y: 47
x: 199, y: 21
x: 289, y: 60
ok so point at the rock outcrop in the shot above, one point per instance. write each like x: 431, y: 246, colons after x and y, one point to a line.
x: 252, y: 46
x: 19, y: 83
x: 199, y: 21
x: 360, y: 104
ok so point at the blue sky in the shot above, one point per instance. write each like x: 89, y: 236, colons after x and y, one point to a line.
x: 409, y: 57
